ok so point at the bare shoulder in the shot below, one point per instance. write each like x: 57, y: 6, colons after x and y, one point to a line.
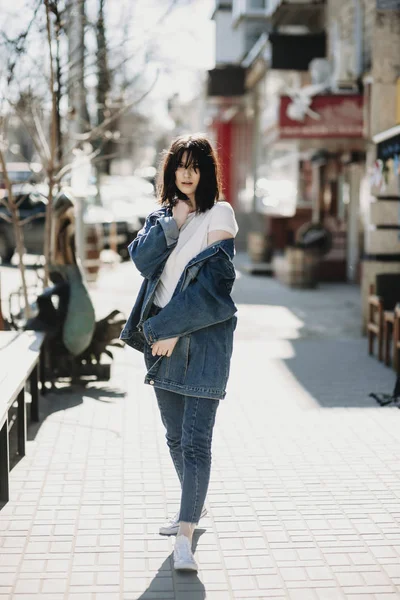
x: 223, y: 221
x: 223, y: 207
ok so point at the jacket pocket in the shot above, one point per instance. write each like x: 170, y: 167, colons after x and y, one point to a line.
x: 153, y: 363
x: 176, y: 365
x: 187, y: 353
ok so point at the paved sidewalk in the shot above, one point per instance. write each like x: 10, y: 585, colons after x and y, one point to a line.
x: 304, y: 496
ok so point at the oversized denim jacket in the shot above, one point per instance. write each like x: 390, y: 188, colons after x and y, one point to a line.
x: 201, y: 312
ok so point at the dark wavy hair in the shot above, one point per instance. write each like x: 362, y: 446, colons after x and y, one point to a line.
x: 201, y: 156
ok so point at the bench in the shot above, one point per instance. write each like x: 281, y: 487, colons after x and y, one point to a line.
x: 382, y: 299
x: 19, y: 363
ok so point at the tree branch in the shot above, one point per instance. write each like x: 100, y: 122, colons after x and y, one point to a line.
x: 105, y: 157
x: 31, y: 218
x: 41, y: 136
x: 5, y: 217
x: 96, y: 131
x: 39, y: 148
x: 69, y: 166
x: 18, y: 232
x: 19, y: 44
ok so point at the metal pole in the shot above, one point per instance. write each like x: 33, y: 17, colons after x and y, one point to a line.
x: 80, y: 232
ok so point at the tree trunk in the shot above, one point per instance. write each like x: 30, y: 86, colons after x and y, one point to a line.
x: 52, y: 160
x: 103, y: 86
x: 2, y: 322
x: 19, y: 235
x: 58, y: 27
x: 78, y: 113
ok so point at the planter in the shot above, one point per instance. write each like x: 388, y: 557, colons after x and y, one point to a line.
x: 259, y: 247
x: 297, y: 268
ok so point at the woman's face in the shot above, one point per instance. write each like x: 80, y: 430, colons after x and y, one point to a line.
x: 187, y: 179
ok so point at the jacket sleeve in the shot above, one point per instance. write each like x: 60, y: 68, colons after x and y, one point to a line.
x: 205, y: 302
x: 154, y: 243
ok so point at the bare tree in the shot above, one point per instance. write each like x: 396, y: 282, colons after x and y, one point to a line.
x: 58, y: 75
x: 12, y: 208
x: 103, y: 83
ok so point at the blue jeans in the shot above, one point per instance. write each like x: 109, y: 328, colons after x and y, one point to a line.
x: 189, y: 425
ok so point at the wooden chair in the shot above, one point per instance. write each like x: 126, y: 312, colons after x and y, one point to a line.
x: 388, y: 336
x: 396, y: 339
x: 382, y: 300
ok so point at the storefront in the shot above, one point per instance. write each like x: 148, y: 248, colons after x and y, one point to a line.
x: 382, y: 239
x: 313, y: 173
x: 230, y: 126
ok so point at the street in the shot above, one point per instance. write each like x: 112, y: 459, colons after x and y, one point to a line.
x: 304, y: 495
x: 276, y: 123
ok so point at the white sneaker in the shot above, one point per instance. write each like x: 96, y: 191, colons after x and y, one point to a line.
x: 183, y: 556
x: 171, y: 527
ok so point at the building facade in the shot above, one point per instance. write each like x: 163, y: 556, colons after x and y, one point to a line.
x: 318, y: 83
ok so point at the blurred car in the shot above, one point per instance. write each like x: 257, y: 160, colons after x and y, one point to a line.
x: 32, y: 201
x: 128, y: 197
x: 22, y: 172
x: 149, y: 173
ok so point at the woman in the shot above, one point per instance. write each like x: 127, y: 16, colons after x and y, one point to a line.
x: 183, y: 319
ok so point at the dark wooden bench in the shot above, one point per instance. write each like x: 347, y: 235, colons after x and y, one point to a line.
x: 19, y: 363
x: 382, y: 299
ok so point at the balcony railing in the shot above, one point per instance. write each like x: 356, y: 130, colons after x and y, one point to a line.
x: 276, y: 3
x: 222, y: 4
x: 298, y: 12
x: 251, y: 9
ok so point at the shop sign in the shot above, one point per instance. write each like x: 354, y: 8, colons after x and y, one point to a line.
x: 389, y: 148
x: 327, y: 116
x: 385, y: 177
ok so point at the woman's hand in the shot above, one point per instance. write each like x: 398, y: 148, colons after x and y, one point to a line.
x: 180, y: 212
x: 164, y: 347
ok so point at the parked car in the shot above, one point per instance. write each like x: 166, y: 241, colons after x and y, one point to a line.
x: 131, y: 196
x: 101, y: 208
x: 22, y: 172
x: 32, y: 201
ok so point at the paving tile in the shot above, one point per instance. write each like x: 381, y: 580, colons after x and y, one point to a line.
x: 269, y: 582
x: 293, y: 574
x: 303, y: 500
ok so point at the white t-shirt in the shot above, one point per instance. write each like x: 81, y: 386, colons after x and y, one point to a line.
x: 193, y: 240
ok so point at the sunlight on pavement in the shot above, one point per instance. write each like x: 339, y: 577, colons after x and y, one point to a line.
x: 271, y: 322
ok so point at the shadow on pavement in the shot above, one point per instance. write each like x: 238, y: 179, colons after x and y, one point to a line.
x: 186, y: 586
x: 331, y: 309
x: 60, y: 399
x: 339, y: 373
x: 316, y: 335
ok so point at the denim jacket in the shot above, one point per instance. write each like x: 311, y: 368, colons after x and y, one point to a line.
x: 201, y: 312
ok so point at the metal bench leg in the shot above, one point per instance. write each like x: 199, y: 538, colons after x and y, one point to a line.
x: 21, y: 423
x: 4, y: 464
x: 42, y: 368
x: 33, y: 381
